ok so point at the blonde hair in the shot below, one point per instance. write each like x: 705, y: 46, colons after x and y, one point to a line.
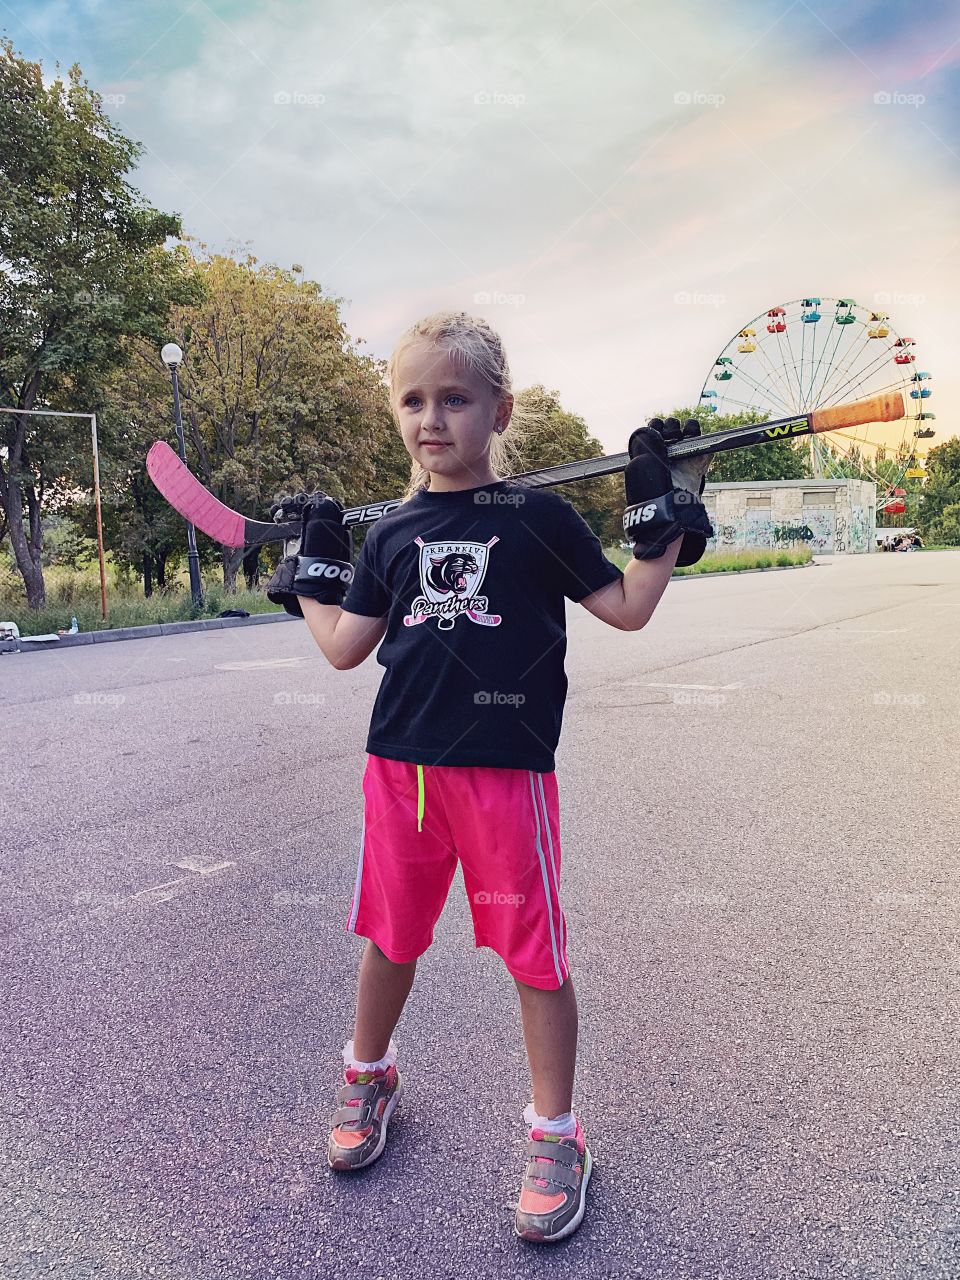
x: 479, y: 348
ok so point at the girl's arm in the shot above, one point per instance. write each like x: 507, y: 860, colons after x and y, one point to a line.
x: 345, y: 638
x: 628, y: 603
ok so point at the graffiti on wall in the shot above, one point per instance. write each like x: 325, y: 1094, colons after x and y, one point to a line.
x: 759, y: 529
x: 860, y: 534
x: 824, y: 530
x: 730, y: 535
x: 791, y: 535
x: 840, y: 535
x: 823, y: 527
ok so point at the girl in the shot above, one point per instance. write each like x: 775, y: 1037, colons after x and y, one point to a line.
x: 465, y: 584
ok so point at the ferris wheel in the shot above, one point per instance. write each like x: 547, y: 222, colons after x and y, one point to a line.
x: 815, y: 352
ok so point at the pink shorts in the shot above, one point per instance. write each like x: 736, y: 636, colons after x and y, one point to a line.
x: 502, y: 824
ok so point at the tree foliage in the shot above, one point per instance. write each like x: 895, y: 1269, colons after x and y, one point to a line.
x: 552, y: 435
x: 779, y: 460
x: 275, y: 396
x: 940, y: 507
x: 83, y: 267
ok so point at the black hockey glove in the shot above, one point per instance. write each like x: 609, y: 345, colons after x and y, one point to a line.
x: 663, y: 498
x: 320, y: 565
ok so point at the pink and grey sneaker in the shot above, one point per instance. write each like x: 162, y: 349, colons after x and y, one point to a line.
x: 367, y: 1101
x: 553, y: 1194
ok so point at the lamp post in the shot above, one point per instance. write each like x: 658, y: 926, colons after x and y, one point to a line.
x: 172, y: 356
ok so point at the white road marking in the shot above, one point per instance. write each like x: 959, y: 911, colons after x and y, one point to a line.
x: 194, y: 864
x: 258, y: 665
x: 170, y: 888
x: 156, y: 892
x: 651, y: 684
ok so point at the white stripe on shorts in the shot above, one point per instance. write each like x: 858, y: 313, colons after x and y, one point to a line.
x: 556, y: 881
x: 356, y: 887
x: 546, y: 881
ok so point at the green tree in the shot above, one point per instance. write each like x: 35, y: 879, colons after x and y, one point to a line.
x: 276, y: 397
x: 550, y: 436
x: 946, y: 528
x: 83, y: 265
x: 941, y: 491
x: 779, y: 460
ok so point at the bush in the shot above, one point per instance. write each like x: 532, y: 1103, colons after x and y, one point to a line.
x: 946, y: 530
x: 72, y: 593
x: 729, y: 561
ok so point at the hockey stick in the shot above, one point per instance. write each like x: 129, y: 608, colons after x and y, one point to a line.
x: 197, y: 504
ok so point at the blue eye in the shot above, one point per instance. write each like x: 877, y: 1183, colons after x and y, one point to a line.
x: 456, y: 397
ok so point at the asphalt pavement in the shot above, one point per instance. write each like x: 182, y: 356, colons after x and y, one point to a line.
x: 759, y: 822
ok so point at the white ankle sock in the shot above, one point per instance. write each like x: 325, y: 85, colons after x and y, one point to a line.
x: 388, y: 1059
x: 565, y: 1125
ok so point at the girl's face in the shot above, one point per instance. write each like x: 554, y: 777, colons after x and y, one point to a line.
x: 446, y: 414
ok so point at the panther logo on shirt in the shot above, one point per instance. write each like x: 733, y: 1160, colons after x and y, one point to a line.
x: 451, y: 574
x: 448, y: 573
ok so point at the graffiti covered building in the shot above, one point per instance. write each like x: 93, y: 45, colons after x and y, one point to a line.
x: 831, y: 517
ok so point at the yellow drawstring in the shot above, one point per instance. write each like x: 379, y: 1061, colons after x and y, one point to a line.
x: 419, y: 797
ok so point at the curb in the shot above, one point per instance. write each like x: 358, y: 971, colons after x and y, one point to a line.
x: 142, y: 633
x: 731, y: 573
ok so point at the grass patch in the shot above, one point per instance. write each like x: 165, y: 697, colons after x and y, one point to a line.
x: 727, y: 561
x: 76, y: 593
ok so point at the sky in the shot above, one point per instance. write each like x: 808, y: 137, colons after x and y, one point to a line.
x: 617, y: 186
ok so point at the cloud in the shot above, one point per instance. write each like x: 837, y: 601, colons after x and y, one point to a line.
x: 594, y: 163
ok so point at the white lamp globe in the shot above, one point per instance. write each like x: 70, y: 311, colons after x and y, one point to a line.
x: 171, y: 354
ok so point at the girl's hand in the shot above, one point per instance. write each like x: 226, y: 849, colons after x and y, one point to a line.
x: 687, y: 473
x: 322, y: 567
x: 662, y: 498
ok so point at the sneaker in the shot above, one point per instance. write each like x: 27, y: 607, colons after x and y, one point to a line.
x: 553, y: 1194
x: 367, y: 1101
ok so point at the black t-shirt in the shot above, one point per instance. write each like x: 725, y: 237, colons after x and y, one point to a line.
x: 473, y: 584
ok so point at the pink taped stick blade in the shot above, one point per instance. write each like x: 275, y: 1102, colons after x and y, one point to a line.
x: 187, y: 495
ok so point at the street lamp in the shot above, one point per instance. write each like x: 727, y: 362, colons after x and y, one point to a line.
x: 172, y: 356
